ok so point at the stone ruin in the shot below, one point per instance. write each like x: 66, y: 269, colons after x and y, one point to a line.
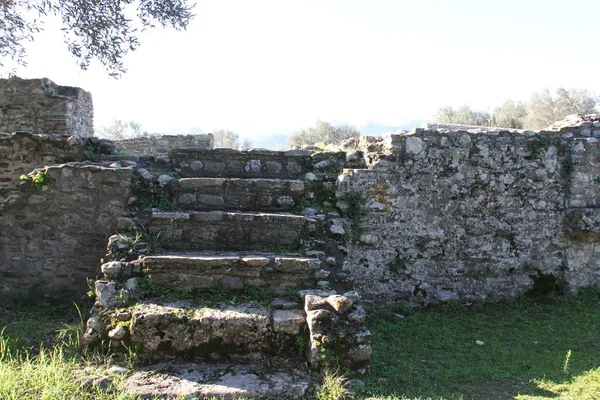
x: 241, y: 273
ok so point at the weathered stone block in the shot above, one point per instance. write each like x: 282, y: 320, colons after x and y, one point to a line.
x: 339, y: 303
x: 290, y: 322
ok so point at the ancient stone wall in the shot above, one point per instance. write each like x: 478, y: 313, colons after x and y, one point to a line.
x: 54, y: 232
x: 22, y: 152
x: 476, y: 216
x: 40, y: 106
x: 164, y: 143
x: 462, y: 127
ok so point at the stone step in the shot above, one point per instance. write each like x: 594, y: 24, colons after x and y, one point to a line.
x: 230, y: 163
x: 286, y: 379
x: 222, y: 230
x: 219, y: 331
x: 276, y: 274
x: 237, y: 194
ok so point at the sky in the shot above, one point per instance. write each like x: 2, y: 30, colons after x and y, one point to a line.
x: 263, y: 67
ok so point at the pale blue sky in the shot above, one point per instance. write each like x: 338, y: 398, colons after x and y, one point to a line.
x: 260, y: 67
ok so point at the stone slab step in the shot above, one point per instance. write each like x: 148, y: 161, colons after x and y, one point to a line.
x: 229, y: 163
x: 237, y: 194
x: 222, y: 230
x: 221, y: 381
x: 215, y: 332
x: 273, y: 273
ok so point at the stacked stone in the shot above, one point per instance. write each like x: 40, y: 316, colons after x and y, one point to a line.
x: 164, y: 143
x: 116, y: 289
x: 586, y: 124
x: 231, y: 258
x: 337, y: 332
x: 40, y: 106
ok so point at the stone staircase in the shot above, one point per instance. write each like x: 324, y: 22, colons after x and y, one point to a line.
x: 239, y: 283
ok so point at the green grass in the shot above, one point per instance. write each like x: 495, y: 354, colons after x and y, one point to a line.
x: 149, y: 288
x: 532, y: 349
x: 40, y: 358
x: 433, y: 353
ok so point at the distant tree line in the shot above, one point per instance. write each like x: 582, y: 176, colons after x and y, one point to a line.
x: 322, y: 133
x: 228, y: 139
x: 119, y: 129
x: 540, y: 112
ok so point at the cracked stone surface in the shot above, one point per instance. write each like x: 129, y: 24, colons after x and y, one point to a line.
x: 219, y: 380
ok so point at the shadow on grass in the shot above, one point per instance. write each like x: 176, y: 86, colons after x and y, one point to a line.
x: 526, y: 347
x: 31, y: 322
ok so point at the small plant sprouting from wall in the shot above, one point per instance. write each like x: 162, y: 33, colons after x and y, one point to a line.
x: 148, y: 196
x: 90, y: 153
x: 398, y: 264
x: 330, y: 172
x: 320, y: 195
x: 353, y: 212
x: 537, y: 145
x: 567, y: 164
x: 38, y: 178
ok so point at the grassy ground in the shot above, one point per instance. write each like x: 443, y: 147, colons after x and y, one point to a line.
x: 528, y: 349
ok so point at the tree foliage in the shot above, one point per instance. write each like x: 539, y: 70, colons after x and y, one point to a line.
x: 542, y: 110
x: 228, y: 139
x: 462, y: 115
x: 121, y: 130
x: 545, y: 109
x: 102, y: 29
x: 324, y: 133
x: 510, y: 114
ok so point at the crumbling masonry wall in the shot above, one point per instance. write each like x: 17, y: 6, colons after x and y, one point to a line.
x: 156, y: 144
x: 471, y: 216
x: 40, y: 106
x: 477, y: 216
x: 54, y: 234
x: 22, y: 152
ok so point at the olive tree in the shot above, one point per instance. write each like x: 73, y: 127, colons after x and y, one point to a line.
x: 323, y: 132
x: 105, y: 30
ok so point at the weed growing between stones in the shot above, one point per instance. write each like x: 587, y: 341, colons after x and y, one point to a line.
x: 130, y: 240
x: 353, y: 211
x: 148, y: 196
x: 90, y: 153
x: 149, y: 288
x: 156, y: 242
x: 333, y: 386
x: 398, y: 264
x: 537, y: 145
x: 301, y: 343
x: 567, y: 164
x: 38, y: 178
x: 330, y: 172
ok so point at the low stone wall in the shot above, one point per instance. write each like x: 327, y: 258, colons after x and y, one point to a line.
x: 40, y: 106
x: 22, y: 152
x: 54, y: 235
x: 164, y: 143
x: 255, y: 163
x: 477, y: 217
x: 462, y: 127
